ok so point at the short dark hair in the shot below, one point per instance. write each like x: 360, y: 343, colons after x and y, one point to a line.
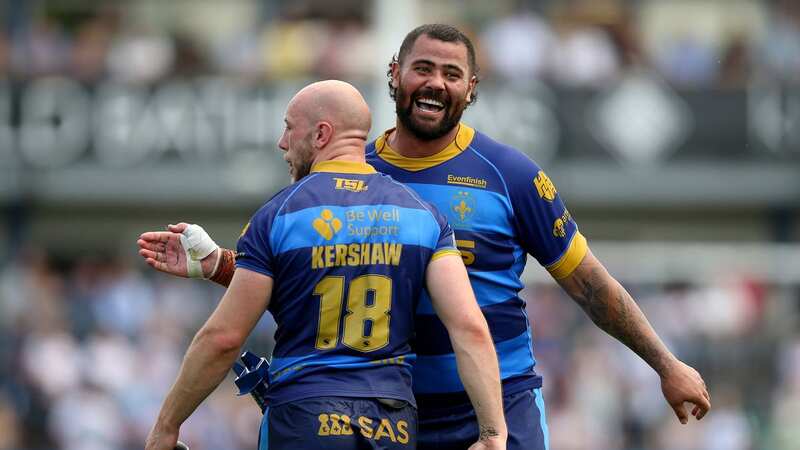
x: 440, y: 32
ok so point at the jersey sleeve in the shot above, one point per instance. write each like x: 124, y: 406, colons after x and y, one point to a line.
x: 254, y: 247
x: 446, y: 241
x: 545, y: 227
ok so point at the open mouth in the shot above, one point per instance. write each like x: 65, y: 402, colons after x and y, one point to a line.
x: 429, y: 105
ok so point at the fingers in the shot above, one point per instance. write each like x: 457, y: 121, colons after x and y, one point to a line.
x: 160, y: 266
x: 680, y: 411
x: 701, y: 407
x: 179, y: 228
x: 156, y: 236
x: 153, y: 246
x: 703, y: 404
x: 147, y: 253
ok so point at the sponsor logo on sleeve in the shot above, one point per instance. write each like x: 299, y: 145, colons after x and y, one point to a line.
x: 560, y: 224
x: 544, y: 186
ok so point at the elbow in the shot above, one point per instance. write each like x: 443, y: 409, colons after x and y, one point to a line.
x: 476, y: 330
x: 220, y: 341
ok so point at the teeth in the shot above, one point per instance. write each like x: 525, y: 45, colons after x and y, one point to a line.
x: 430, y: 101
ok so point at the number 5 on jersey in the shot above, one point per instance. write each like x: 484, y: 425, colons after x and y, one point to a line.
x: 366, y: 324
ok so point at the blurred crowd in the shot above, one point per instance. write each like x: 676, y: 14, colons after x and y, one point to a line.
x: 89, y: 349
x: 89, y: 346
x: 575, y: 43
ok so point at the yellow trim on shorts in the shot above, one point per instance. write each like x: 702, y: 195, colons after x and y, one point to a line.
x: 571, y: 258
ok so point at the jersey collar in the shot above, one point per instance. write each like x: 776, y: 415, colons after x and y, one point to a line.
x: 459, y: 144
x: 343, y: 167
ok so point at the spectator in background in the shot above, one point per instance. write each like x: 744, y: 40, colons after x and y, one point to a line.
x: 42, y: 49
x: 781, y: 46
x: 290, y: 48
x: 10, y: 426
x: 518, y: 47
x: 688, y: 60
x: 90, y: 48
x: 736, y: 70
x: 139, y: 55
x: 240, y: 54
x: 342, y: 56
x: 5, y: 56
x: 584, y: 55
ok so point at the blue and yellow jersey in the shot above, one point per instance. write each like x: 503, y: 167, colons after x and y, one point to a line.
x: 502, y: 206
x: 347, y: 249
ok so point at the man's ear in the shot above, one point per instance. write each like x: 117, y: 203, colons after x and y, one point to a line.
x: 473, y: 82
x: 323, y: 133
x: 395, y: 74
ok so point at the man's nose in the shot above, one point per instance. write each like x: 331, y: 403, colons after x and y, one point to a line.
x: 435, y: 81
x: 282, y: 143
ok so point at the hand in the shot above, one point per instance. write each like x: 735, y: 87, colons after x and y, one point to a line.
x: 681, y: 383
x: 163, y: 251
x: 489, y: 444
x: 161, y: 439
x: 490, y: 439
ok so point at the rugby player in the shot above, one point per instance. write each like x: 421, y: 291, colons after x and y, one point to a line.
x: 340, y: 375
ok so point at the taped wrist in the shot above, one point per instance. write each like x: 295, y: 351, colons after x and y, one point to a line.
x: 197, y: 244
x: 226, y: 267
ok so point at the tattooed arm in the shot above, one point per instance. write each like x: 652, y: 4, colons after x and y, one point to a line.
x: 614, y: 311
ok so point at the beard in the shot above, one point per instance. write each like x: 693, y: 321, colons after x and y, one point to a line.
x: 426, y: 131
x: 300, y: 170
x: 301, y: 167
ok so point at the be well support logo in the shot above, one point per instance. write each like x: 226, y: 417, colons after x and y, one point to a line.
x: 327, y: 225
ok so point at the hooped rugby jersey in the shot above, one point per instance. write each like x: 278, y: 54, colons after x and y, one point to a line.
x: 501, y: 206
x: 347, y: 249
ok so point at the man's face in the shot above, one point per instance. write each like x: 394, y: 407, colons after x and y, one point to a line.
x: 296, y: 144
x: 433, y: 87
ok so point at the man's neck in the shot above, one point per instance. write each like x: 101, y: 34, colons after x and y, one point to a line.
x: 352, y: 151
x: 405, y: 143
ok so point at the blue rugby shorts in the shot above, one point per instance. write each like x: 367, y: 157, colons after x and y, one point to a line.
x: 339, y: 423
x: 455, y: 427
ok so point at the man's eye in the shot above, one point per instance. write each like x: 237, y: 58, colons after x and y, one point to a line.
x: 422, y: 69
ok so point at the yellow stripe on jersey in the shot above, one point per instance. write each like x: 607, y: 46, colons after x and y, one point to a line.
x: 460, y: 143
x: 570, y: 259
x: 343, y: 167
x: 445, y: 252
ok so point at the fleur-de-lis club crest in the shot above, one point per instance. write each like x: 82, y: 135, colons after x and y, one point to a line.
x: 462, y: 207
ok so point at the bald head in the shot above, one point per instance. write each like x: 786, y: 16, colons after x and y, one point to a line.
x: 326, y: 120
x: 337, y: 103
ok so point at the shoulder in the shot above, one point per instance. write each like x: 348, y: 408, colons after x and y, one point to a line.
x: 370, y: 149
x: 507, y: 159
x: 517, y: 170
x: 279, y: 201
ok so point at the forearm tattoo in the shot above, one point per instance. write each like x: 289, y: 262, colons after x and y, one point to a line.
x: 488, y: 433
x: 613, y: 310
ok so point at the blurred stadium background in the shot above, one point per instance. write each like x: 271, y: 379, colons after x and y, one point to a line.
x: 671, y: 128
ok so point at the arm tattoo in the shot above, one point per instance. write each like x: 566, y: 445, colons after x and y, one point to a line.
x: 613, y: 310
x: 487, y: 433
